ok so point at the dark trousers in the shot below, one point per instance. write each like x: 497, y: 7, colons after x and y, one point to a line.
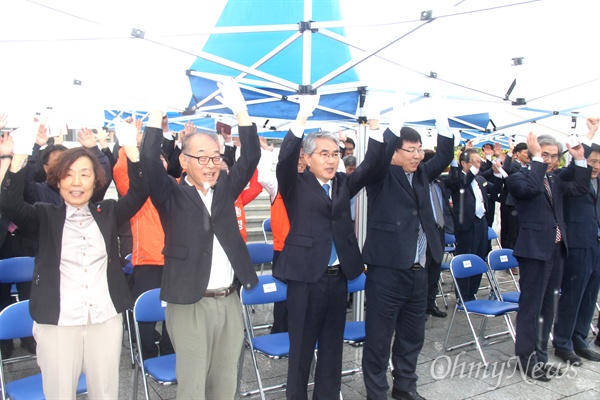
x: 317, y: 312
x: 539, y: 282
x: 578, y: 296
x: 147, y: 277
x: 472, y: 241
x: 396, y: 302
x: 509, y: 226
x: 280, y: 309
x: 433, y: 275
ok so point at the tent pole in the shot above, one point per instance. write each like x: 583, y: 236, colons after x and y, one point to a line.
x: 358, y: 309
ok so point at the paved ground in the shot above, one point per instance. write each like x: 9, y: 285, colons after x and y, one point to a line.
x: 442, y: 374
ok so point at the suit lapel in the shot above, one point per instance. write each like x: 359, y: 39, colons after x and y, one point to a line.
x: 400, y: 176
x: 193, y: 194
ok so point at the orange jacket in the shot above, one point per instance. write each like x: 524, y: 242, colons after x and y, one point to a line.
x: 280, y: 224
x: 247, y: 195
x: 146, y: 229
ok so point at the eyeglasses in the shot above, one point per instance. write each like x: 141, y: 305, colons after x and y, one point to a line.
x: 203, y: 160
x: 325, y: 155
x: 550, y: 156
x: 594, y: 163
x: 414, y: 151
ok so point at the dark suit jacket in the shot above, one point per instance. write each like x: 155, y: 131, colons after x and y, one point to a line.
x: 315, y: 218
x: 46, y: 221
x: 581, y: 216
x: 395, y: 209
x: 190, y: 229
x: 537, y: 215
x: 463, y: 197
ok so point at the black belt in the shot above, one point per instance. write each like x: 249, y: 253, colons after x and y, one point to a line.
x: 333, y: 270
x: 416, y: 267
x: 223, y: 292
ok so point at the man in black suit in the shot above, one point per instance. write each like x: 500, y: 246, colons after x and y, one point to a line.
x: 203, y: 251
x: 542, y: 245
x: 321, y: 251
x: 470, y: 193
x: 581, y: 278
x: 401, y: 233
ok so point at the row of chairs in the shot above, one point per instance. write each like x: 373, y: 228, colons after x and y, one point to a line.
x: 497, y: 303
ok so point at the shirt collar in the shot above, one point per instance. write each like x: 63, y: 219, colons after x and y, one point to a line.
x: 71, y: 210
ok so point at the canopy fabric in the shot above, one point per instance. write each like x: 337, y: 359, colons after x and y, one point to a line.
x: 276, y: 61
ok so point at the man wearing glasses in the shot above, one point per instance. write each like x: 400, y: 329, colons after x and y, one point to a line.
x: 401, y: 233
x: 203, y: 252
x: 321, y: 251
x: 542, y: 245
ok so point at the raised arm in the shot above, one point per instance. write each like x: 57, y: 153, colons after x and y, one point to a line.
x: 287, y: 167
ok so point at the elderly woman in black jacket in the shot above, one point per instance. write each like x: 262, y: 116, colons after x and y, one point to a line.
x: 79, y: 289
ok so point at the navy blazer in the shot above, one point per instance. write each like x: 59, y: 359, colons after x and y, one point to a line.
x: 538, y: 216
x: 315, y: 218
x: 189, y: 227
x: 581, y: 216
x: 46, y: 222
x: 395, y: 209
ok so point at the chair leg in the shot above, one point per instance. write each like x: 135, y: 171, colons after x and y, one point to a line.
x: 475, y: 337
x: 450, y: 328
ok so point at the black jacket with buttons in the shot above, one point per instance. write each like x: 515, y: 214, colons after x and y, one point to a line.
x: 46, y: 222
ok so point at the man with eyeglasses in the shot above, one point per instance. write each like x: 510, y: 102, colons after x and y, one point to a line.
x: 401, y: 233
x: 205, y: 255
x: 581, y: 278
x: 542, y: 245
x: 321, y: 252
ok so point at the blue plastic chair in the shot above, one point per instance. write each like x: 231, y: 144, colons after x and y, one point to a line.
x: 16, y: 270
x: 503, y: 260
x: 266, y: 227
x: 466, y: 266
x: 149, y: 308
x: 260, y: 254
x: 449, y: 251
x: 16, y: 323
x: 354, y: 331
x: 492, y: 235
x: 274, y: 345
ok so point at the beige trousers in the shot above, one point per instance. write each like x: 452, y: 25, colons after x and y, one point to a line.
x: 64, y: 352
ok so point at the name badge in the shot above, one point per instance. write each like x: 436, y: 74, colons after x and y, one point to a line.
x: 269, y: 287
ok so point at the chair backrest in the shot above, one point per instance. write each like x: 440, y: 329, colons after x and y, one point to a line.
x: 16, y: 269
x: 268, y: 290
x: 502, y: 259
x: 358, y: 284
x: 148, y: 307
x: 15, y: 321
x: 449, y: 239
x: 267, y: 225
x: 260, y: 253
x: 128, y: 268
x: 492, y: 235
x: 467, y: 265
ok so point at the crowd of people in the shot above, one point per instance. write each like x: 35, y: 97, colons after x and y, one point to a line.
x: 180, y: 214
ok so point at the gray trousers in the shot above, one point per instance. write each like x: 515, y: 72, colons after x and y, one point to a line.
x: 207, y: 337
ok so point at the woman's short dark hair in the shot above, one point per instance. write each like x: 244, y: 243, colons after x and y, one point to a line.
x: 60, y: 169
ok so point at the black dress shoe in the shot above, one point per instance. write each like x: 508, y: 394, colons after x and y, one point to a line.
x: 436, y: 312
x: 569, y: 357
x: 597, y: 340
x: 402, y: 395
x: 588, y: 354
x: 536, y: 372
x: 552, y: 371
